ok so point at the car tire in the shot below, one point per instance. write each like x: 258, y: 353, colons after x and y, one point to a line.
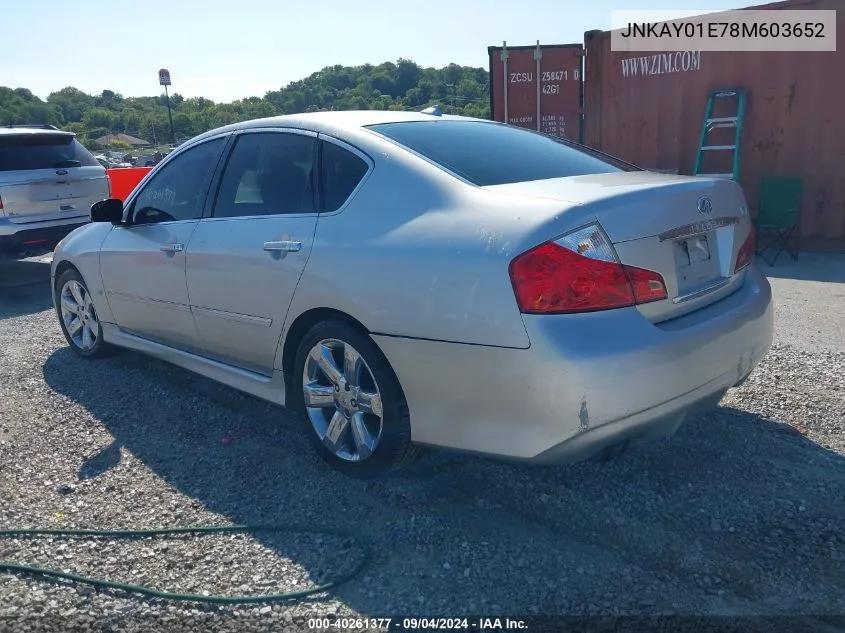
x: 78, y: 317
x: 340, y: 407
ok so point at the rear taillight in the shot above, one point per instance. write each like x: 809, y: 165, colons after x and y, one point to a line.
x: 580, y: 272
x: 108, y: 180
x: 1, y: 203
x: 746, y: 252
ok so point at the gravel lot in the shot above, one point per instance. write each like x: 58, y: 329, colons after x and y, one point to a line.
x: 742, y: 512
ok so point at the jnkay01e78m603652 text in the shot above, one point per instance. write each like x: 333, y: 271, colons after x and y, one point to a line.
x: 736, y: 31
x: 682, y: 29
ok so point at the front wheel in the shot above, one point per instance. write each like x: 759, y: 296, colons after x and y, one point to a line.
x: 357, y: 415
x: 78, y: 317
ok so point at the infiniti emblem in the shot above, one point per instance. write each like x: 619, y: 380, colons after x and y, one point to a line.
x: 705, y: 205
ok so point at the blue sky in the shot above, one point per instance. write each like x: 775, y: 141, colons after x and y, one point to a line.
x: 233, y: 49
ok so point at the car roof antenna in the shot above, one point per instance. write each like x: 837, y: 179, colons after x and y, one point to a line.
x: 433, y: 110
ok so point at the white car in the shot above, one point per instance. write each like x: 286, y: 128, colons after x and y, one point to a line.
x: 48, y: 182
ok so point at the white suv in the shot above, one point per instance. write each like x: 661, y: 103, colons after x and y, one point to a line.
x: 48, y: 182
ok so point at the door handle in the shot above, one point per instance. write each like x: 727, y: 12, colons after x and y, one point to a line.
x: 284, y: 246
x: 172, y: 248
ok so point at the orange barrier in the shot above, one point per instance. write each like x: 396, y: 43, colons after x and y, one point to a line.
x: 123, y: 181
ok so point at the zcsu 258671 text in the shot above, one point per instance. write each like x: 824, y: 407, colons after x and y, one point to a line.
x: 546, y: 76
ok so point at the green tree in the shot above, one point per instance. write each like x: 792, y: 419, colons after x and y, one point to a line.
x: 71, y: 102
x: 109, y: 99
x: 403, y: 85
x: 131, y: 121
x: 100, y: 118
x: 407, y: 75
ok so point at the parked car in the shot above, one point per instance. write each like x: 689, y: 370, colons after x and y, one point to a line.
x: 112, y: 162
x: 48, y: 182
x: 145, y: 160
x: 410, y: 279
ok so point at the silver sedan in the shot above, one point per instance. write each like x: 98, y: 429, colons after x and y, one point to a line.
x: 403, y: 280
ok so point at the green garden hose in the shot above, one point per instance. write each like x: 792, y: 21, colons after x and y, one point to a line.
x: 99, y: 583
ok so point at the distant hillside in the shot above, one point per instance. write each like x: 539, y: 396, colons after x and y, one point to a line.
x: 388, y: 86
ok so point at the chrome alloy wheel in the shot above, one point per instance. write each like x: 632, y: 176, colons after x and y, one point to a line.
x: 342, y: 400
x: 79, y: 316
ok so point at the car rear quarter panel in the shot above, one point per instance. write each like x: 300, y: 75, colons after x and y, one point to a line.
x: 81, y: 248
x: 586, y: 379
x: 418, y: 253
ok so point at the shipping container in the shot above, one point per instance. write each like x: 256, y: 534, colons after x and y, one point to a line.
x: 538, y: 87
x: 649, y: 109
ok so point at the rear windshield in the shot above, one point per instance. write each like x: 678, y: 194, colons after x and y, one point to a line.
x: 42, y: 151
x: 492, y: 154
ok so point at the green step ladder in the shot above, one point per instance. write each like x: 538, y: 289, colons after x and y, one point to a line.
x: 712, y: 123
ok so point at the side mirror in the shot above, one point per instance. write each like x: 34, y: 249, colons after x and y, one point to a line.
x: 110, y: 210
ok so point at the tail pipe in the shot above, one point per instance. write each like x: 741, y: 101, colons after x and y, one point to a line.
x: 614, y: 451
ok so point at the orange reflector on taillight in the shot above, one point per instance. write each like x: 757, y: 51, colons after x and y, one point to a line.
x: 746, y: 252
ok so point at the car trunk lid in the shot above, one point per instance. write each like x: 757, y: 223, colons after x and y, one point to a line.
x: 45, y: 194
x: 45, y: 176
x: 688, y: 229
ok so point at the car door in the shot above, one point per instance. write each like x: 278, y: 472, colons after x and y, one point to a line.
x: 245, y: 260
x: 143, y: 263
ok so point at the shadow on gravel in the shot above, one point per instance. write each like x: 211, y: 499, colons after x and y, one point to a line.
x: 828, y: 267
x: 24, y: 287
x: 97, y: 464
x: 735, y: 514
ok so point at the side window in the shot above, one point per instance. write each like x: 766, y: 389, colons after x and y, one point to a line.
x: 340, y: 173
x: 178, y: 190
x: 268, y: 173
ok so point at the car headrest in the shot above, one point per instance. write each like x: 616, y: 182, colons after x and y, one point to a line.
x: 282, y: 183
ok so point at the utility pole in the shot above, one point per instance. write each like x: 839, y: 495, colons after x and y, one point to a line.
x: 169, y: 116
x: 452, y: 97
x: 164, y: 80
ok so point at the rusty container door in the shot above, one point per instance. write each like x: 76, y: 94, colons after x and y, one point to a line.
x: 538, y: 87
x: 649, y: 109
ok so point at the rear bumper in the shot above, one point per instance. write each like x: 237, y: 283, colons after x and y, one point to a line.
x: 640, y: 428
x: 587, y: 381
x: 16, y: 239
